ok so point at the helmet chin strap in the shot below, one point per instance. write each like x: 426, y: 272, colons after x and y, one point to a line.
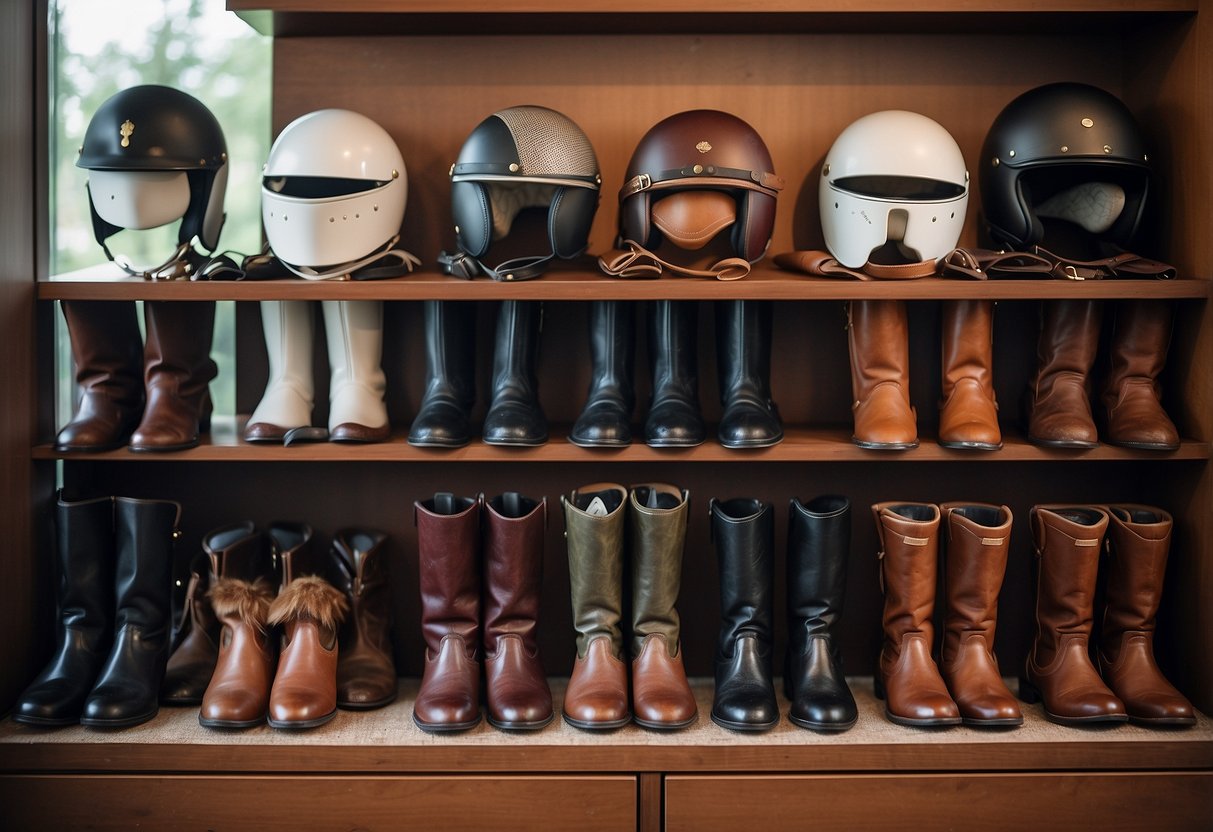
x: 176, y: 267
x: 638, y: 262
x: 408, y: 260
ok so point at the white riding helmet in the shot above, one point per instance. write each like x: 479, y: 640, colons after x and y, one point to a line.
x: 893, y: 177
x: 333, y: 193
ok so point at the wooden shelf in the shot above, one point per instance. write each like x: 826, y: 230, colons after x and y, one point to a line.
x: 800, y: 444
x: 582, y: 284
x: 386, y: 741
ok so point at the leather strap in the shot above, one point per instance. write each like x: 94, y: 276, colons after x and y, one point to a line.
x: 823, y: 264
x: 983, y: 263
x: 358, y: 269
x: 763, y: 180
x: 638, y: 262
x: 394, y: 262
x: 1122, y: 264
x: 466, y: 267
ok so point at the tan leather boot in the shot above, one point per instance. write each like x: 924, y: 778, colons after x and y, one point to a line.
x: 1059, y: 405
x: 516, y: 689
x: 907, y: 678
x: 968, y: 412
x: 238, y: 694
x: 1139, y: 538
x: 977, y: 537
x: 448, y: 546
x: 1132, y: 394
x: 1059, y: 669
x: 597, y: 695
x: 880, y: 375
x: 304, y: 693
x: 366, y: 672
x: 661, y: 696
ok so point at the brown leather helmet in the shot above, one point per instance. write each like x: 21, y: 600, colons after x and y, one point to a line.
x: 693, y: 175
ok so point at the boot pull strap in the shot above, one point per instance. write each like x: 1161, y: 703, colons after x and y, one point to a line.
x: 711, y: 525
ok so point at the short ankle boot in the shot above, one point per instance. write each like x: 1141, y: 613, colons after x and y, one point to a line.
x: 286, y: 404
x: 84, y: 567
x: 1059, y: 400
x: 819, y: 547
x: 366, y: 672
x: 309, y: 611
x: 442, y: 419
x: 744, y: 533
x: 357, y: 384
x: 448, y: 554
x: 907, y: 677
x: 743, y: 365
x: 1058, y: 670
x: 661, y: 695
x: 177, y: 374
x: 977, y: 537
x: 674, y: 419
x: 597, y: 694
x: 1132, y: 394
x: 1139, y: 540
x: 514, y: 416
x: 606, y: 419
x: 879, y: 335
x: 968, y: 411
x: 108, y: 355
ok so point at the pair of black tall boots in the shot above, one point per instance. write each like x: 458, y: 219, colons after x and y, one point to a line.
x: 819, y: 538
x: 743, y: 362
x: 114, y: 558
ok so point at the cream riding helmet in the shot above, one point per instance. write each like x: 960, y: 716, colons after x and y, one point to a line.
x: 333, y: 193
x: 893, y: 178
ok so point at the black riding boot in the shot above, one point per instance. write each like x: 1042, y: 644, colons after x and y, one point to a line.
x: 84, y: 550
x: 127, y: 692
x: 605, y: 421
x: 674, y: 417
x: 819, y: 540
x: 743, y: 366
x: 744, y: 533
x: 450, y: 376
x: 515, y: 417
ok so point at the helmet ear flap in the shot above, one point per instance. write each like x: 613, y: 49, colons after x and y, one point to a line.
x: 473, y: 217
x: 636, y: 222
x: 569, y: 220
x: 204, y: 216
x: 755, y: 221
x: 102, y: 230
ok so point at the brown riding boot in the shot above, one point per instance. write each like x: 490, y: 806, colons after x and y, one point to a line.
x: 448, y: 545
x: 597, y: 695
x: 1139, y: 538
x: 196, y: 645
x: 366, y: 672
x: 238, y: 694
x: 1132, y: 394
x: 661, y: 695
x: 978, y: 537
x: 1059, y: 404
x: 177, y: 373
x: 108, y: 353
x: 908, y: 679
x: 304, y: 693
x: 968, y: 413
x: 516, y: 690
x: 1058, y: 669
x: 880, y: 375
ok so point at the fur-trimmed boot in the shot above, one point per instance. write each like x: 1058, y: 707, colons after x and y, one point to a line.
x: 239, y: 691
x: 304, y: 693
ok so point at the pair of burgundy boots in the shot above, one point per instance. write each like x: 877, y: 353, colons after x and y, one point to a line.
x: 469, y: 549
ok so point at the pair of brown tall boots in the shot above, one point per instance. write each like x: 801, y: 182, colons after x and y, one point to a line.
x: 1059, y: 405
x: 286, y: 632
x: 456, y: 623
x: 966, y: 685
x: 154, y: 395
x: 652, y: 519
x: 1128, y: 684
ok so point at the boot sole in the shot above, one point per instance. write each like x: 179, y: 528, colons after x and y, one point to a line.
x: 1063, y: 443
x: 521, y: 726
x: 291, y: 724
x: 1163, y: 721
x: 665, y: 726
x: 765, y: 443
x: 832, y: 727
x: 439, y: 444
x: 909, y: 722
x: 886, y: 446
x: 128, y: 722
x: 750, y: 727
x: 446, y: 727
x: 585, y: 725
x: 366, y: 706
x: 1101, y: 719
x: 530, y: 443
x: 1145, y: 446
x: 46, y: 722
x: 619, y: 443
x: 155, y: 449
x: 675, y: 444
x: 970, y: 446
x: 230, y: 724
x: 1008, y: 722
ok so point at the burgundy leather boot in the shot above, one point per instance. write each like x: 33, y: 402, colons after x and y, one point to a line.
x: 366, y: 672
x: 108, y: 354
x: 448, y: 544
x: 518, y: 697
x: 177, y: 374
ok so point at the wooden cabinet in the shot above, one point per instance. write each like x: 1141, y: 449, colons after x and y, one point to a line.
x: 798, y: 72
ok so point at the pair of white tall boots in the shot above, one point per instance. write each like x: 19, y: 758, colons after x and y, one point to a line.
x: 354, y: 332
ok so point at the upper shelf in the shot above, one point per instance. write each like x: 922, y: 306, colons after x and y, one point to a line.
x: 284, y: 18
x: 106, y: 282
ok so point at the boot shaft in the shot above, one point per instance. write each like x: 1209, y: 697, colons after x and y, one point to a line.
x: 448, y: 549
x: 360, y: 572
x: 145, y: 535
x: 743, y: 530
x: 516, y: 350
x: 968, y: 344
x: 84, y: 545
x: 295, y: 551
x: 1141, y: 337
x: 1068, y: 541
x: 879, y: 341
x: 354, y: 334
x: 674, y: 349
x: 594, y: 529
x: 1069, y: 339
x: 450, y: 351
x: 909, y: 553
x: 107, y: 349
x: 513, y: 567
x: 657, y: 517
x: 819, y: 545
x: 1138, y: 543
x: 743, y: 349
x: 177, y: 352
x: 977, y: 539
x: 613, y: 350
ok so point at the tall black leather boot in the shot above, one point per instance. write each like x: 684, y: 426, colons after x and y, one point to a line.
x: 819, y: 542
x: 450, y: 376
x: 84, y: 557
x: 606, y: 419
x: 744, y: 533
x: 127, y: 691
x: 743, y: 366
x: 674, y: 418
x: 515, y: 417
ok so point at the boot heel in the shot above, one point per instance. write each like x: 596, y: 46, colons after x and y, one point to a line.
x: 1028, y: 692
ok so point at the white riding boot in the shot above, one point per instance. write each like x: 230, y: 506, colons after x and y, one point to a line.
x: 289, y: 393
x: 354, y: 329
